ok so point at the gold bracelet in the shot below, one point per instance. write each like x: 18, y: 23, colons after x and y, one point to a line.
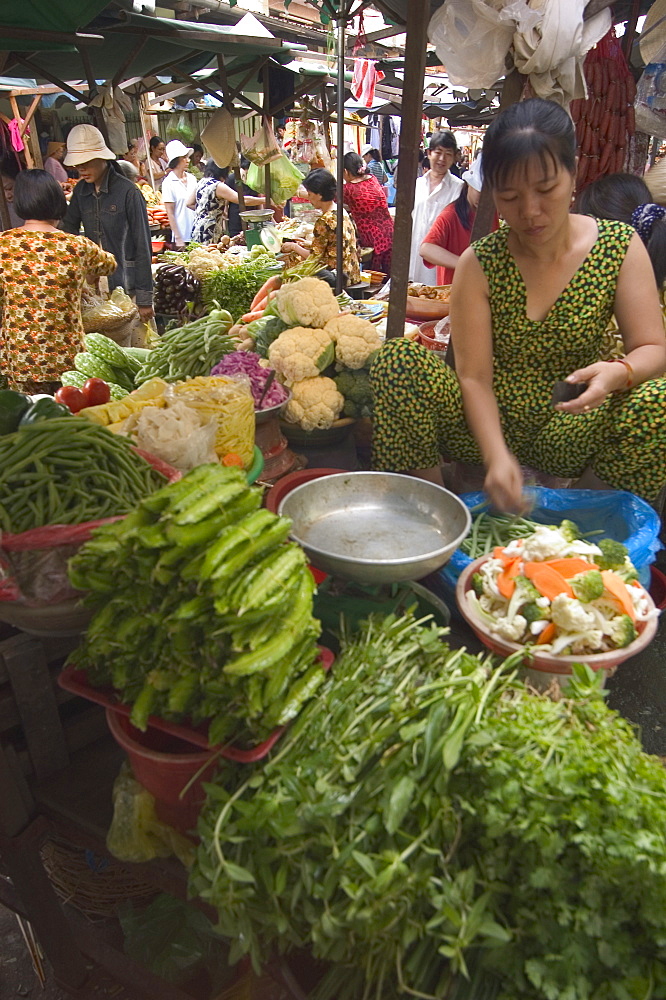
x: 630, y: 372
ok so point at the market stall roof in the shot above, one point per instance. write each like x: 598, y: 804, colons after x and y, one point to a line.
x: 141, y: 45
x: 39, y: 25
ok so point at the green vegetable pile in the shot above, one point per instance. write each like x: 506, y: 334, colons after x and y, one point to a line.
x: 427, y: 819
x: 67, y: 471
x: 202, y: 608
x: 191, y: 350
x: 235, y: 286
x: 105, y: 359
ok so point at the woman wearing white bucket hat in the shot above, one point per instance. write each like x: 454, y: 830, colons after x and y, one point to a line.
x: 112, y: 212
x: 179, y: 189
x: 451, y: 231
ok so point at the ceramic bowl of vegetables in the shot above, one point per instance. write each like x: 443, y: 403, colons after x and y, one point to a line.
x: 560, y: 599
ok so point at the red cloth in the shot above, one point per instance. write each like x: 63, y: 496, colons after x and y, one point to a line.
x: 366, y: 202
x: 448, y: 232
x: 365, y: 79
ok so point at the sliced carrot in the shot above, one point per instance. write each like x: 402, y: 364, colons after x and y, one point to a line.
x: 617, y: 588
x: 251, y: 316
x: 547, y: 580
x: 506, y: 557
x: 231, y: 458
x: 506, y: 581
x: 570, y: 567
x: 547, y: 635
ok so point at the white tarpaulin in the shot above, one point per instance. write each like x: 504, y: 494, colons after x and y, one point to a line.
x: 547, y: 40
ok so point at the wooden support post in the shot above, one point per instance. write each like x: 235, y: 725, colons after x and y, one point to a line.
x: 267, y: 121
x: 485, y: 213
x: 120, y: 73
x: 92, y: 92
x: 340, y: 144
x: 418, y: 15
x: 16, y: 112
x: 5, y: 222
x: 239, y: 186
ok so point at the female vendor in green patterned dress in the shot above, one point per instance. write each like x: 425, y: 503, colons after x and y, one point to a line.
x: 529, y: 306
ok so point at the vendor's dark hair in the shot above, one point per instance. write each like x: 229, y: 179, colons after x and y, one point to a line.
x: 218, y: 173
x: 321, y: 182
x: 37, y: 195
x: 443, y: 140
x: 615, y: 197
x: 529, y: 130
x: 196, y: 148
x: 464, y: 210
x: 155, y: 141
x: 375, y: 154
x: 355, y: 165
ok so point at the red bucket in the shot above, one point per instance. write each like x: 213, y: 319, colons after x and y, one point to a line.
x: 657, y: 587
x: 165, y: 765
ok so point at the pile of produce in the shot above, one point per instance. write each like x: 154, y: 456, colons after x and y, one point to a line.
x: 17, y: 410
x: 190, y: 350
x: 68, y: 471
x: 433, y: 292
x: 605, y: 121
x: 248, y: 364
x: 104, y: 359
x: 175, y: 287
x: 203, y: 609
x: 309, y: 341
x: 561, y: 593
x: 428, y: 819
x: 491, y: 530
x: 235, y: 286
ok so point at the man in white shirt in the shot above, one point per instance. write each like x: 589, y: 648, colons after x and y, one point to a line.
x: 434, y: 191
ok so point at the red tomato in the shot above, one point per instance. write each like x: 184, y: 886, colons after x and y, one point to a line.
x: 96, y: 391
x: 71, y: 397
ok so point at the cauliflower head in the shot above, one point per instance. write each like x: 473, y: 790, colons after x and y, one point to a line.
x: 308, y: 302
x: 570, y: 615
x: 315, y: 403
x: 301, y: 353
x: 356, y: 340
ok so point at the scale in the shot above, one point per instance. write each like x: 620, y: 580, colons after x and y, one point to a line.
x: 256, y: 221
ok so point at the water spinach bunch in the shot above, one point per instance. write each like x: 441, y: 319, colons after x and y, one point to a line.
x: 428, y: 822
x: 203, y: 609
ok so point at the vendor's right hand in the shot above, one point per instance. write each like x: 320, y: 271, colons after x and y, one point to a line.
x: 504, y: 485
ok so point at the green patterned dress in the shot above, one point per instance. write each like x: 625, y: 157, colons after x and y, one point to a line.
x: 418, y: 410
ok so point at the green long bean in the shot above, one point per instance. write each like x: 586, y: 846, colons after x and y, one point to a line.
x: 489, y: 530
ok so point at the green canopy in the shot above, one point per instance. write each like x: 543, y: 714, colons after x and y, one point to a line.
x: 39, y: 17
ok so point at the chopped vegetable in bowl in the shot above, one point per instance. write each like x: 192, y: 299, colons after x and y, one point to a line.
x: 560, y: 593
x: 249, y: 364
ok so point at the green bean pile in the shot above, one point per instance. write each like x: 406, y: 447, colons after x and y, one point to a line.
x: 489, y: 530
x: 67, y: 471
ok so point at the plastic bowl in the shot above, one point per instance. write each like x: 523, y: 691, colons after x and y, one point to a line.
x: 425, y: 309
x: 543, y: 668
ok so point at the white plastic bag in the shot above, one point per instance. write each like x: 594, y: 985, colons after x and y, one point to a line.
x: 177, y: 434
x: 651, y: 97
x: 263, y: 147
x: 472, y: 39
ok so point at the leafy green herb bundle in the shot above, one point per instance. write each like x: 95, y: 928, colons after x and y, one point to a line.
x: 234, y: 287
x: 429, y: 818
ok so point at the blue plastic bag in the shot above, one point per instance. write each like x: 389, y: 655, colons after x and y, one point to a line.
x: 623, y: 517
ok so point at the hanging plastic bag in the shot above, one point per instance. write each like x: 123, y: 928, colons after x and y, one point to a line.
x: 136, y: 834
x: 622, y: 516
x: 472, y: 40
x: 285, y: 179
x: 651, y: 97
x: 262, y: 147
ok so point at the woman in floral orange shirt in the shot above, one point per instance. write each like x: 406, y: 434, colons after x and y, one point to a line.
x: 42, y: 274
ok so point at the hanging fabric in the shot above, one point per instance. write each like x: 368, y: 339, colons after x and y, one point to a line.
x: 366, y: 78
x: 15, y: 133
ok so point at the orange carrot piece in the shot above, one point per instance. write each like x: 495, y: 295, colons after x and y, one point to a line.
x: 251, y: 316
x: 547, y: 580
x: 506, y: 581
x: 273, y: 282
x: 547, y: 635
x: 617, y: 588
x: 231, y: 458
x: 570, y: 567
x: 506, y: 557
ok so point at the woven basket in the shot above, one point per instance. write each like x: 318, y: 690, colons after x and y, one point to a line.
x: 94, y: 885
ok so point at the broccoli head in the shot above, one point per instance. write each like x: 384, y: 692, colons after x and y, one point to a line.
x: 613, y: 554
x: 623, y: 631
x: 477, y: 584
x: 587, y: 586
x: 356, y: 388
x: 569, y: 530
x: 532, y: 612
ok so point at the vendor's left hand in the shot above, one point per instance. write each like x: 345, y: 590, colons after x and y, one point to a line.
x: 602, y: 379
x: 146, y: 313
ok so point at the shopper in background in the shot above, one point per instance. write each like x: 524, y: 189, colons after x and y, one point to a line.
x: 113, y: 214
x: 434, y: 191
x: 366, y: 201
x: 179, y: 190
x: 158, y: 163
x: 451, y: 231
x: 374, y: 163
x: 321, y: 187
x: 151, y: 197
x: 196, y: 164
x: 212, y: 197
x: 234, y: 225
x: 55, y: 152
x: 42, y: 273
